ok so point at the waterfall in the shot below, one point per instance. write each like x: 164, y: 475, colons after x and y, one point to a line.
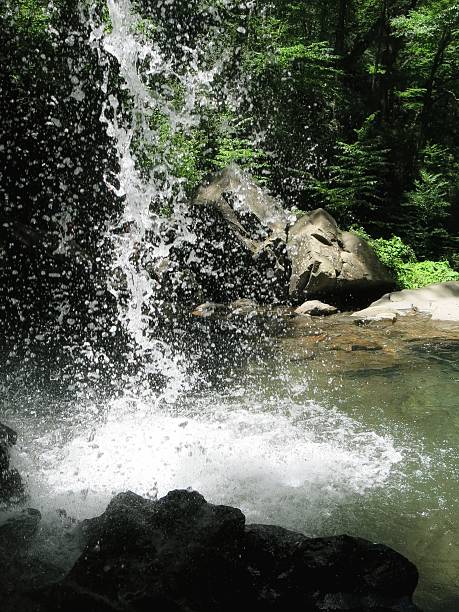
x: 154, y: 199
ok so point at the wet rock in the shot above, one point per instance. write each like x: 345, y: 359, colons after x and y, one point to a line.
x: 335, y: 573
x: 183, y: 554
x: 18, y: 530
x: 439, y: 301
x: 327, y: 261
x: 382, y: 315
x: 367, y: 346
x: 8, y: 437
x: 243, y: 307
x: 242, y: 234
x: 209, y: 309
x: 16, y: 535
x: 316, y: 309
x: 11, y: 487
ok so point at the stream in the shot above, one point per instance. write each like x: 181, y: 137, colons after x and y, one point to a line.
x: 354, y: 441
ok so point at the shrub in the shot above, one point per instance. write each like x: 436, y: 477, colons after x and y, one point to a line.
x: 421, y: 273
x: 401, y: 260
x: 394, y: 252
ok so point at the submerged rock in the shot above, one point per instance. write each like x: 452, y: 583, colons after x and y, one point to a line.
x: 327, y: 261
x: 11, y: 487
x: 183, y: 554
x: 440, y: 301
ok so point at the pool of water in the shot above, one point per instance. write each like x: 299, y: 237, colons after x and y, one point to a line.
x: 320, y: 427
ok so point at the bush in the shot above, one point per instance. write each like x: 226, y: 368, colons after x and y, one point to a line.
x: 401, y: 260
x: 394, y: 252
x: 422, y: 273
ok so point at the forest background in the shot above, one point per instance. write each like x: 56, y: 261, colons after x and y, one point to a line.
x: 350, y: 105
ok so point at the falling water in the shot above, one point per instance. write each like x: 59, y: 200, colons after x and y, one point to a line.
x: 282, y: 440
x: 154, y: 201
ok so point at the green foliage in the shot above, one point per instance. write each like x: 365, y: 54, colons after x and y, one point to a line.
x: 180, y: 150
x: 240, y: 151
x: 315, y: 61
x: 412, y: 98
x: 393, y: 253
x: 354, y: 110
x: 31, y: 17
x: 232, y: 145
x: 429, y: 203
x: 422, y: 273
x: 356, y: 178
x: 401, y: 260
x: 429, y: 197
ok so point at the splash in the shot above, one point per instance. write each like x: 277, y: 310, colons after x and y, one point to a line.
x: 298, y: 467
x: 276, y: 464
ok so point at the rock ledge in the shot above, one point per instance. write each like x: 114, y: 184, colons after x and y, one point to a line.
x: 183, y: 554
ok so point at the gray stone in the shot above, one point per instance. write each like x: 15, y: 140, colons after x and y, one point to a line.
x: 440, y: 301
x: 327, y: 261
x: 209, y: 309
x: 241, y: 239
x: 382, y: 315
x: 241, y: 201
x: 316, y: 309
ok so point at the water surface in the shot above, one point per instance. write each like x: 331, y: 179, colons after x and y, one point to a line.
x: 322, y: 427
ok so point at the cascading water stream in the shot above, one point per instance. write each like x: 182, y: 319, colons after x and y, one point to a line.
x: 138, y: 236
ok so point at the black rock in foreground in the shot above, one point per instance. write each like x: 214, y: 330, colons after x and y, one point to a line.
x: 11, y: 487
x: 182, y: 554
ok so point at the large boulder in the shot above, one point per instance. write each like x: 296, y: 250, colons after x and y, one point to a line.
x: 183, y: 554
x: 242, y: 234
x: 329, y: 262
x: 440, y: 301
x: 11, y: 487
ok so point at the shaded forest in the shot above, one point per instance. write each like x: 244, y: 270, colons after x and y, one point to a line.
x: 350, y: 105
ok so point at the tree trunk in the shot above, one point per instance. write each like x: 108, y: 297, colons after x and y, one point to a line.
x: 341, y: 27
x: 429, y: 87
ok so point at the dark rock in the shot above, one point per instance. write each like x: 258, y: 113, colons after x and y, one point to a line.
x: 18, y: 530
x: 182, y: 554
x: 16, y: 535
x: 336, y: 573
x: 11, y: 486
x: 8, y: 437
x: 242, y: 234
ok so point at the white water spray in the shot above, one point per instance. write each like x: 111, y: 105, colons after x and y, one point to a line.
x: 138, y: 236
